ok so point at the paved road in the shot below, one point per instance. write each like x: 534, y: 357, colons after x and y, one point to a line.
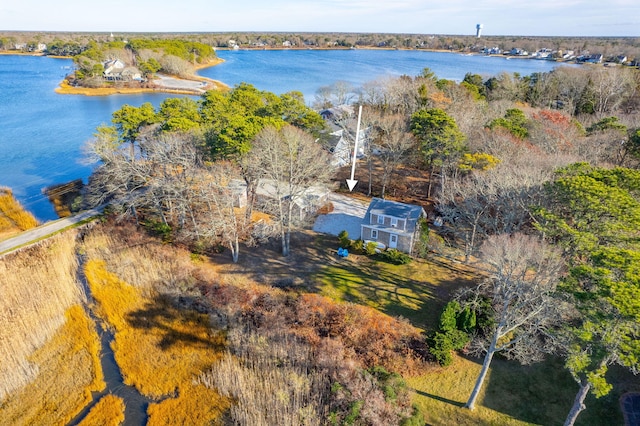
x: 36, y: 234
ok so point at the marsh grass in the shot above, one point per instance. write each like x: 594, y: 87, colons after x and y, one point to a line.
x: 68, y: 369
x: 37, y: 286
x: 195, y: 405
x: 109, y: 411
x: 160, y: 347
x: 272, y: 381
x: 13, y: 217
x: 157, y: 346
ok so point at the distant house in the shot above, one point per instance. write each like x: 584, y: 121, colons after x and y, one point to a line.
x: 113, y: 69
x: 543, y: 53
x: 491, y: 50
x: 393, y: 224
x: 116, y: 70
x: 306, y: 202
x: 340, y: 148
x: 595, y: 58
x: 238, y: 188
x: 341, y: 120
x: 516, y: 51
x: 337, y: 113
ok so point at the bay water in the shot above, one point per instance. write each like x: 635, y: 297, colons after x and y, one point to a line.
x: 42, y: 133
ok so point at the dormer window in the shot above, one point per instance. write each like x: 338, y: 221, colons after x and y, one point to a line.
x: 394, y: 222
x: 380, y: 220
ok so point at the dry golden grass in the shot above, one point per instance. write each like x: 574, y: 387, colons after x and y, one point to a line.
x: 12, y: 214
x: 158, y: 347
x: 66, y: 89
x: 37, y: 286
x: 187, y: 408
x: 67, y: 370
x: 109, y: 411
x: 144, y: 264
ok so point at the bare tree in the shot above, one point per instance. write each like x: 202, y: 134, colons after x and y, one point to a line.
x: 522, y: 279
x: 290, y: 162
x: 338, y: 93
x: 490, y: 202
x: 118, y: 179
x: 383, y: 136
x: 176, y: 66
x: 392, y: 145
x: 219, y: 209
x: 611, y: 86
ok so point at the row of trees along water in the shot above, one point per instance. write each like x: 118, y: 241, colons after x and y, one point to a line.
x: 74, y: 43
x: 534, y: 178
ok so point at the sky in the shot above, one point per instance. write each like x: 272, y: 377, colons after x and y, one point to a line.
x: 455, y: 17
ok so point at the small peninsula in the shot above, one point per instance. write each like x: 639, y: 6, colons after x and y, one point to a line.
x: 140, y: 65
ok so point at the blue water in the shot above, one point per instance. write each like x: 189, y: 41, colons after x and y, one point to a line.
x: 281, y: 71
x: 42, y: 133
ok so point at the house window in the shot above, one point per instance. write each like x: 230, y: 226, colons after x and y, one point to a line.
x: 394, y: 222
x: 380, y: 220
x: 374, y: 234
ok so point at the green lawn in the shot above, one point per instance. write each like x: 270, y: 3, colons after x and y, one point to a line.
x: 417, y: 291
x: 513, y: 394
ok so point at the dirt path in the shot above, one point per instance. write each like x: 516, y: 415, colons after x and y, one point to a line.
x: 135, y: 413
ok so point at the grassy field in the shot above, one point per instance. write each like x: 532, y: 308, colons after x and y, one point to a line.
x: 513, y: 394
x: 417, y: 291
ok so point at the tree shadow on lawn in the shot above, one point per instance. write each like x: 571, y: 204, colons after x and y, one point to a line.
x: 439, y: 398
x: 265, y: 263
x: 542, y: 393
x: 416, y: 291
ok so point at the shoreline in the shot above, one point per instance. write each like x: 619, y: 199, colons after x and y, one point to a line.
x: 64, y: 88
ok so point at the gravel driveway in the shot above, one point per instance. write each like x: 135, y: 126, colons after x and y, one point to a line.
x: 347, y: 216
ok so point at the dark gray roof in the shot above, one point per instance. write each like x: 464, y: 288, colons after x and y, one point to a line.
x: 410, y: 212
x: 394, y: 208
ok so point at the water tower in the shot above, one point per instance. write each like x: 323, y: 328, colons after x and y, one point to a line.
x: 478, y: 30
